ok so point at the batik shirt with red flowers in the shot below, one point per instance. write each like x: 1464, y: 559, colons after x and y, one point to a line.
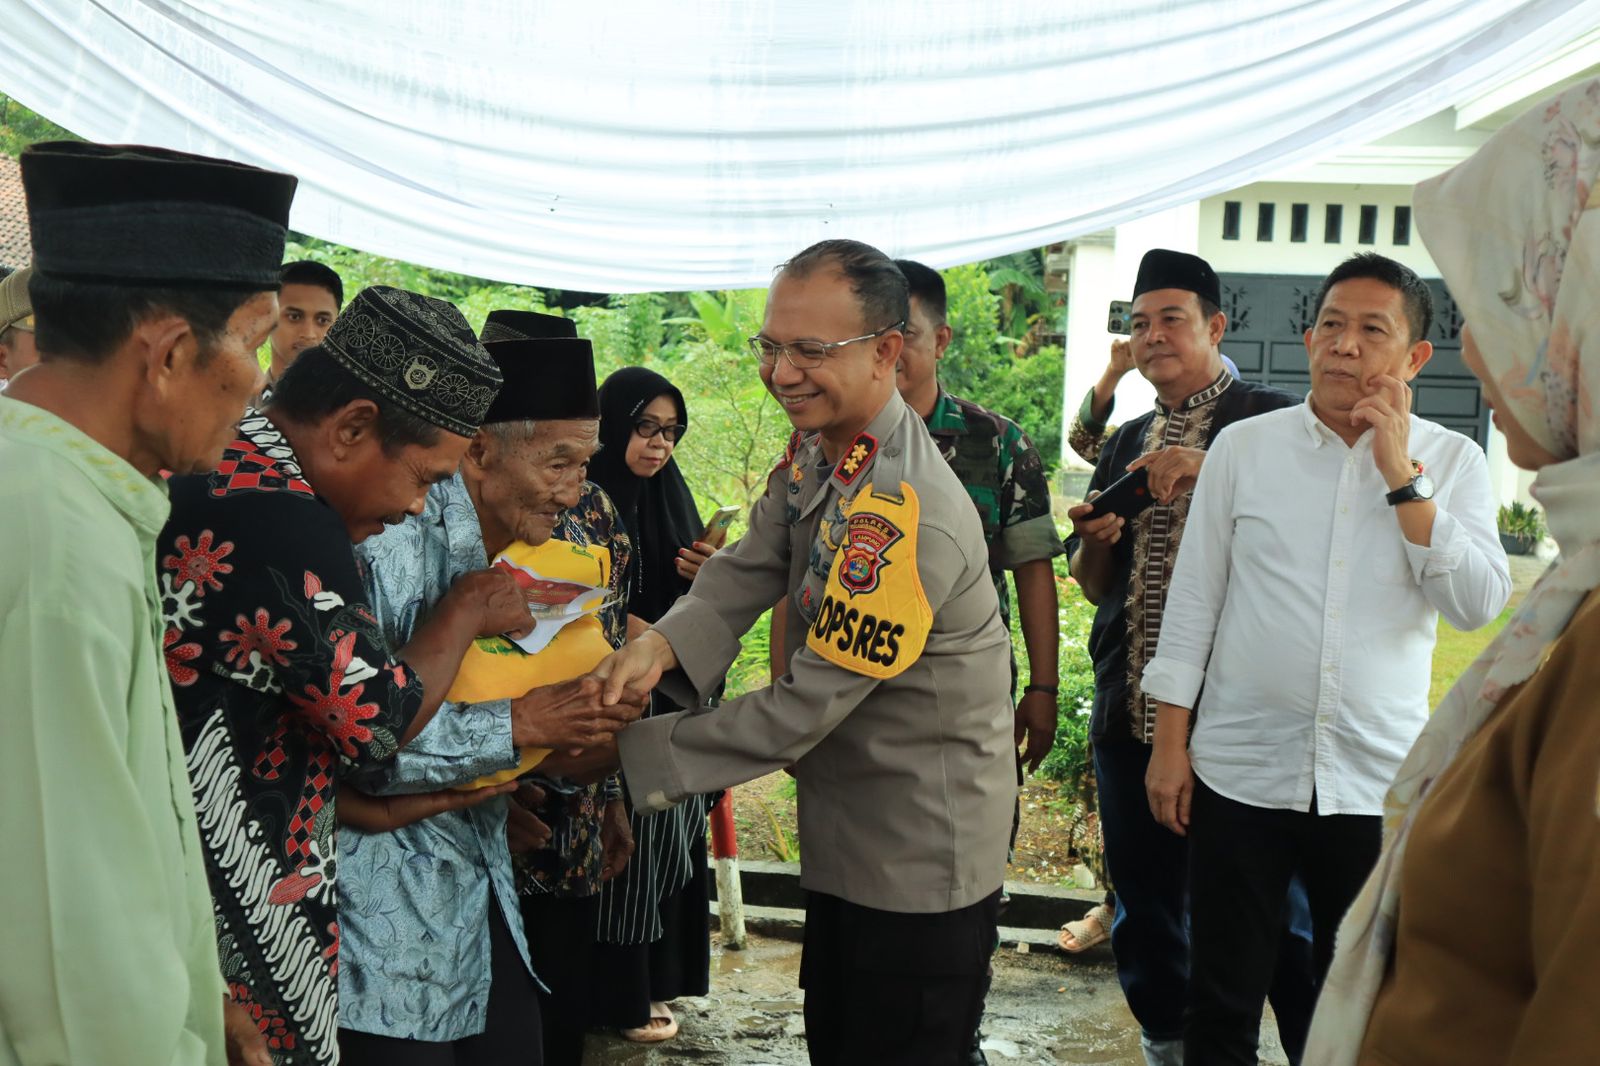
x: 282, y: 680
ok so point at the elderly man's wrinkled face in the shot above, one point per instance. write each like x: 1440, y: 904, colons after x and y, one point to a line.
x: 193, y: 400
x: 525, y: 480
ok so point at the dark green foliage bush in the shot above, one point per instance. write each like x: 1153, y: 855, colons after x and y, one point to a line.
x: 1069, y: 758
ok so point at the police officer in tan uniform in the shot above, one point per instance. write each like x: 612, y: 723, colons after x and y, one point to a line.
x: 895, y: 714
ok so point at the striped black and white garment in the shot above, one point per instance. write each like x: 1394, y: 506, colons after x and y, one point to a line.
x: 664, y: 852
x: 653, y: 936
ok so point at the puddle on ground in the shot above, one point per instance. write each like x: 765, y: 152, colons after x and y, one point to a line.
x: 1095, y: 1041
x: 1045, y: 1009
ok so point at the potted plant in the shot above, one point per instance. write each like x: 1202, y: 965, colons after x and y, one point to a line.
x: 1521, y: 528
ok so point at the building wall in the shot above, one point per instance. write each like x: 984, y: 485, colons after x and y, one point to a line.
x: 1103, y: 271
x: 1314, y: 255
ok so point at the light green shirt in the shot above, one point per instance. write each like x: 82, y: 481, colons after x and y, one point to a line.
x: 107, y: 949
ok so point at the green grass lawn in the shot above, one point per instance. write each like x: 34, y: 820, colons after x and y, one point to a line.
x: 1456, y: 650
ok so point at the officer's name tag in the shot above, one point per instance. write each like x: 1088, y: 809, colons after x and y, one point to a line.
x: 874, y: 618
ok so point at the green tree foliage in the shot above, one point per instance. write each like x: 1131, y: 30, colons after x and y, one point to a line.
x: 475, y: 296
x: 743, y: 430
x: 20, y: 127
x: 1018, y: 280
x: 982, y: 365
x: 736, y: 430
x: 1027, y: 390
x: 727, y: 319
x: 972, y: 309
x: 698, y: 341
x: 629, y: 330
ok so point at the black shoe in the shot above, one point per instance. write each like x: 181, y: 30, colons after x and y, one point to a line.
x: 975, y: 1056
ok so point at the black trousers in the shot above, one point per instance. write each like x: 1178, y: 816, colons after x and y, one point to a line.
x: 1241, y: 859
x: 511, y: 1035
x: 894, y: 989
x: 1149, y: 867
x: 561, y: 939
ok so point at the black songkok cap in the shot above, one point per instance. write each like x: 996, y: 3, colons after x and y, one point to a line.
x: 129, y: 215
x: 548, y: 368
x: 416, y: 352
x: 1162, y: 268
x: 526, y: 326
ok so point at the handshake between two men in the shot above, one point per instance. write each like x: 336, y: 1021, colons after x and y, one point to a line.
x: 576, y: 720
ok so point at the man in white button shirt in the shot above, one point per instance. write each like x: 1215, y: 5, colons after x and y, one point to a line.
x: 1323, y: 543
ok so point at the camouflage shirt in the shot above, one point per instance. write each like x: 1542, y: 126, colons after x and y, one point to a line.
x: 1002, y: 472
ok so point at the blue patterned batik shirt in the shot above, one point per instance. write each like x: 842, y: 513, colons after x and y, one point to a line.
x: 414, y: 903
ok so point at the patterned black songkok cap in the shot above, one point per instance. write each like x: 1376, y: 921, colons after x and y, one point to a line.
x: 123, y: 214
x: 1162, y: 268
x: 417, y: 352
x: 548, y: 368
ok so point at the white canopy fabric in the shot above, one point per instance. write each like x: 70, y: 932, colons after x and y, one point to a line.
x: 624, y: 145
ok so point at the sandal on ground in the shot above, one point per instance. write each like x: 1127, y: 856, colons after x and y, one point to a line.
x: 661, y: 1026
x: 1093, y: 928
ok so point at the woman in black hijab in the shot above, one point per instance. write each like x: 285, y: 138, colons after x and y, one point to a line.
x: 654, y: 917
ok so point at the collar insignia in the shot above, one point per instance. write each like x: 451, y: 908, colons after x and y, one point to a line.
x: 860, y: 453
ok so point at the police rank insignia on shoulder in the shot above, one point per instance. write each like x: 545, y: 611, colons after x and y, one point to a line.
x: 874, y: 618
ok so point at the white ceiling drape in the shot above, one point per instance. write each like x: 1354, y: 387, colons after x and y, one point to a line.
x: 621, y: 145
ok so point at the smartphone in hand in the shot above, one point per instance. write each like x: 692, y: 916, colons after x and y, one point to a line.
x: 717, y: 526
x: 1119, y: 317
x: 1127, y: 496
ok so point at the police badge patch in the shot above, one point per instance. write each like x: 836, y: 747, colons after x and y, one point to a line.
x: 874, y: 618
x: 867, y: 537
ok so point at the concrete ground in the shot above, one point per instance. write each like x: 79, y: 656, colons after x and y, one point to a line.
x: 1045, y: 1008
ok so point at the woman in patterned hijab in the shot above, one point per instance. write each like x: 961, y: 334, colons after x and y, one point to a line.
x: 1476, y: 936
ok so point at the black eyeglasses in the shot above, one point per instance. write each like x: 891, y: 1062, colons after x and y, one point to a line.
x: 649, y: 427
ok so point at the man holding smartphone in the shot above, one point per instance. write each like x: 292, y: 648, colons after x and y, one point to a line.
x: 1124, y: 567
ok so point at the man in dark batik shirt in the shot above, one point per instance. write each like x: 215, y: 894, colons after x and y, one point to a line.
x: 1124, y: 568
x: 1091, y: 425
x: 282, y: 678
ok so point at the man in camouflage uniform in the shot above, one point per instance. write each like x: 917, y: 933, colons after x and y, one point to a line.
x: 1001, y: 470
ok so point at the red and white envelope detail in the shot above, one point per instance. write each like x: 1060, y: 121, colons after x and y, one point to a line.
x: 554, y: 603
